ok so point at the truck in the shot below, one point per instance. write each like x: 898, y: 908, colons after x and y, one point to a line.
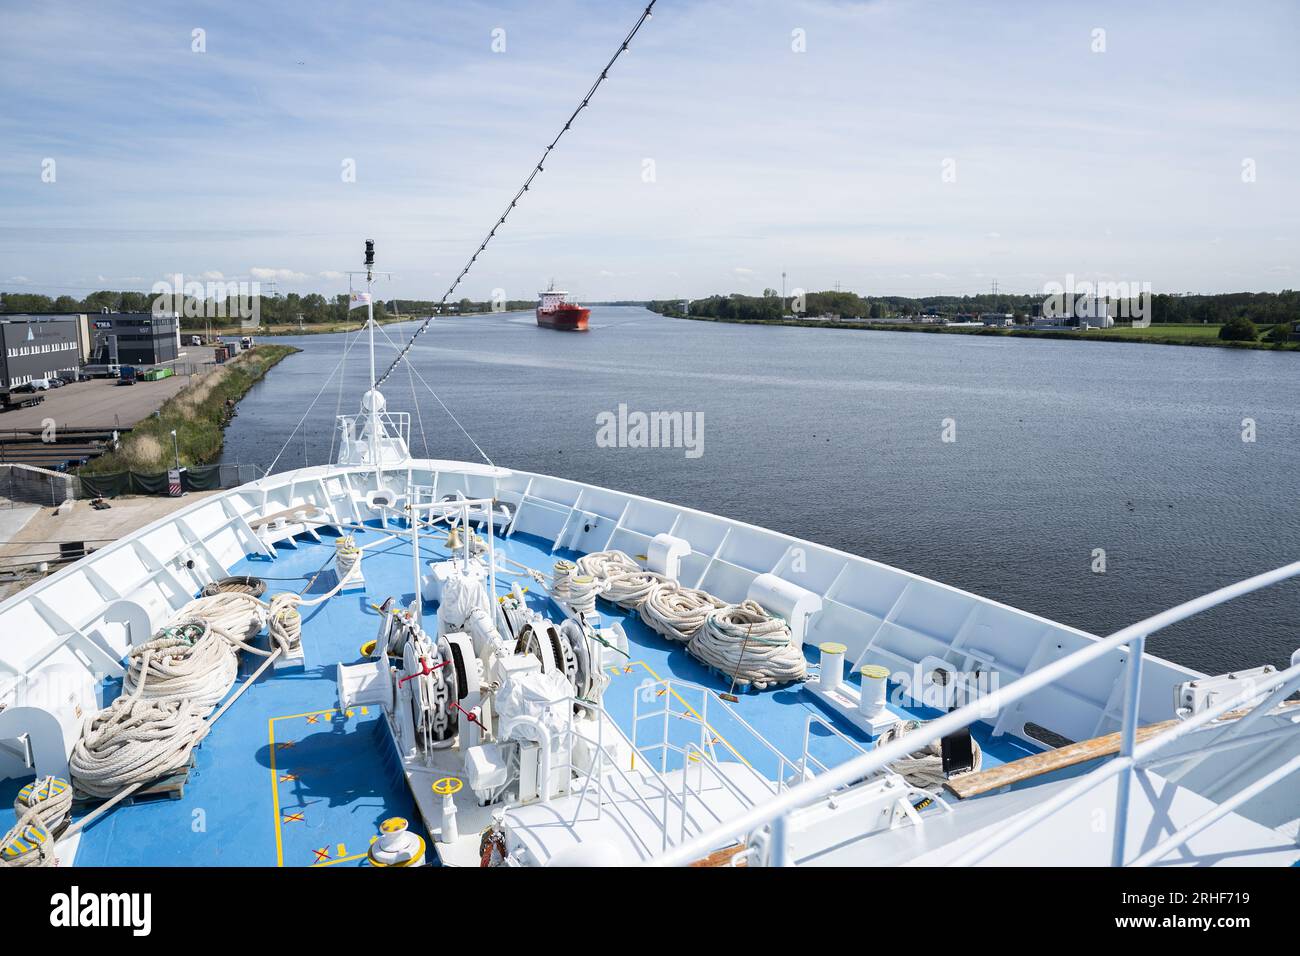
x: 246, y: 342
x: 20, y: 398
x: 127, y: 375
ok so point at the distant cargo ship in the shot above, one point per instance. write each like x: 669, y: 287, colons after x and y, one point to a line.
x: 554, y: 311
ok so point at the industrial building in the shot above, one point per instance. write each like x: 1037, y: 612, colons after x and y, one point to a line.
x: 133, y: 338
x: 38, y: 347
x: 41, y: 345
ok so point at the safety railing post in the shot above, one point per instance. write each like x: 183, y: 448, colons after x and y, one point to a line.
x: 778, y: 831
x: 1128, y: 740
x: 663, y: 759
x: 636, y: 722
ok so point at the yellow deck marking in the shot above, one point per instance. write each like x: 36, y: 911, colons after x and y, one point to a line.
x: 275, y: 776
x: 275, y: 792
x: 341, y: 860
x: 343, y: 851
x: 699, y: 718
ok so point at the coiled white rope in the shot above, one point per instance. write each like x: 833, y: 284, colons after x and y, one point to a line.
x: 239, y: 616
x: 285, y: 622
x: 135, y: 740
x: 577, y: 586
x: 630, y: 589
x: 582, y: 594
x: 346, y: 556
x: 560, y: 575
x: 172, y: 684
x: 42, y: 809
x: 51, y: 799
x: 746, y: 642
x: 187, y: 662
x: 923, y: 768
x: 27, y: 843
x: 677, y: 612
x: 601, y: 565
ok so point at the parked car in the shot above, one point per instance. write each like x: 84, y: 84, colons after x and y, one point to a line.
x: 57, y: 382
x: 40, y: 384
x: 24, y: 389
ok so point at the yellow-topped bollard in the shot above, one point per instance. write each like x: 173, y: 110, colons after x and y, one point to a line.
x: 832, y: 672
x: 874, y: 679
x: 396, y: 845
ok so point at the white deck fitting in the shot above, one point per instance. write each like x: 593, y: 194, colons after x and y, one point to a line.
x: 845, y: 699
x: 622, y: 825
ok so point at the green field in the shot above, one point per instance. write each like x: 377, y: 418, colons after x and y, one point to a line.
x: 1166, y: 334
x: 1181, y: 333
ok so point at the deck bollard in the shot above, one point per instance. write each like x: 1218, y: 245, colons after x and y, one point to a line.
x: 832, y: 670
x: 874, y: 678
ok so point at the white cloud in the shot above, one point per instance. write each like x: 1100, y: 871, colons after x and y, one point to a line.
x: 263, y: 274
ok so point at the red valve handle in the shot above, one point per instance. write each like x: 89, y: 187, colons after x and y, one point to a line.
x: 425, y: 671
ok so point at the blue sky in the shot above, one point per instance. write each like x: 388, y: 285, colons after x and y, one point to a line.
x: 828, y: 164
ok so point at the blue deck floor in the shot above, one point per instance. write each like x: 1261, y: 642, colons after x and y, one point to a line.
x: 285, y: 779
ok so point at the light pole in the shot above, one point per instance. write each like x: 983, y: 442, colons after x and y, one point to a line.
x: 176, y: 449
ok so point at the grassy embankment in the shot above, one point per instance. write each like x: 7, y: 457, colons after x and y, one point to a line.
x: 1169, y: 334
x: 308, y: 328
x: 197, y: 413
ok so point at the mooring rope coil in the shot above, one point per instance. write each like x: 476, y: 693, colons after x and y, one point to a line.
x: 172, y: 684
x: 238, y: 615
x: 753, y: 647
x: 630, y: 589
x: 601, y: 565
x: 27, y: 843
x: 677, y: 612
x: 136, y: 740
x: 923, y: 768
x: 42, y: 809
x: 236, y: 584
x: 50, y: 797
x: 188, y: 662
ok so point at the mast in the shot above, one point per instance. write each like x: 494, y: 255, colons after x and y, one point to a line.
x: 374, y: 386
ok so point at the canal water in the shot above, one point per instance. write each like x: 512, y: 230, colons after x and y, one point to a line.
x: 1093, y: 483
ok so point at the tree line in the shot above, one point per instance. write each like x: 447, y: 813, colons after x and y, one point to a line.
x: 1233, y: 309
x: 288, y: 309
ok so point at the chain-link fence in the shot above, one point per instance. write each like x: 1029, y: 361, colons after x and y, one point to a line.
x: 27, y: 484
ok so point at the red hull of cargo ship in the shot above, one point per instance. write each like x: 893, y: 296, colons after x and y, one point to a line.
x: 565, y: 318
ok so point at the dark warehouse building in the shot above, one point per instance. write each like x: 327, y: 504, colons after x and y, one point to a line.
x: 133, y: 338
x: 37, y: 348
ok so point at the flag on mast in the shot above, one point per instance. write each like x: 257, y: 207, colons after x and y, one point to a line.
x: 357, y: 299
